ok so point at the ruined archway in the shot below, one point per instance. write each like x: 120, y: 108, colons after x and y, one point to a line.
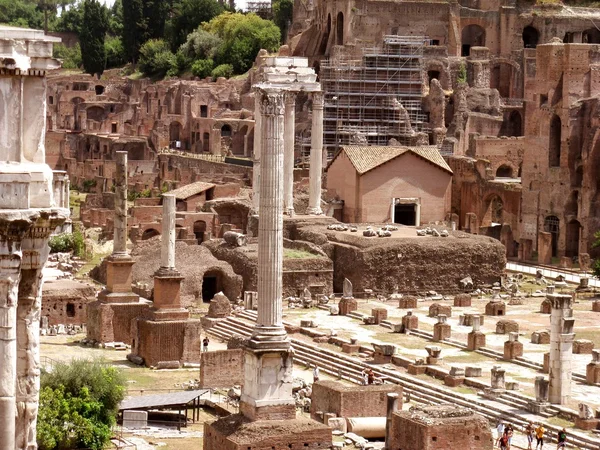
x: 591, y: 36
x: 95, y: 113
x: 554, y: 141
x: 573, y: 236
x: 212, y: 283
x: 239, y: 141
x: 515, y: 124
x: 531, y: 37
x: 504, y: 171
x: 340, y: 29
x: 552, y: 226
x: 472, y: 36
x: 149, y: 233
x: 175, y: 129
x: 226, y: 130
x: 494, y: 212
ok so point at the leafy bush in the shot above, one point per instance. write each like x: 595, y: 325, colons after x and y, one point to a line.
x: 78, y: 405
x: 71, y: 57
x: 203, y: 67
x: 156, y: 59
x: 68, y: 242
x: 461, y: 77
x: 223, y: 70
x: 201, y: 45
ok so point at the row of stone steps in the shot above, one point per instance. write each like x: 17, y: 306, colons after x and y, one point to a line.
x: 350, y: 368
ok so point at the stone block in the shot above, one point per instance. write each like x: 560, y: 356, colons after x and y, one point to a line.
x: 513, y: 349
x: 347, y: 305
x: 416, y: 369
x: 350, y: 348
x: 566, y: 262
x: 596, y: 306
x: 338, y: 424
x: 437, y: 309
x: 407, y: 302
x: 441, y: 331
x: 380, y: 314
x: 585, y: 262
x: 462, y: 300
x: 369, y: 320
x: 475, y: 340
x: 451, y: 381
x: 586, y: 424
x: 583, y: 347
x: 546, y: 364
x: 410, y: 322
x: 540, y: 337
x: 495, y: 308
x: 467, y: 319
x: 546, y: 307
x: 507, y: 326
x: 473, y: 372
x: 592, y: 373
x: 135, y: 419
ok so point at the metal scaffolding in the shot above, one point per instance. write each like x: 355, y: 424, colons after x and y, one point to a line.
x: 377, y: 97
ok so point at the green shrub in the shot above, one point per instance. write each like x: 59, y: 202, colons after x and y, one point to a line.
x: 71, y: 57
x: 88, y: 185
x: 223, y: 70
x: 115, y: 52
x: 68, y: 242
x: 461, y: 77
x: 156, y: 59
x: 203, y: 67
x: 78, y: 405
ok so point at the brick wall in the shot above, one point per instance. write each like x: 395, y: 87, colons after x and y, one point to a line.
x: 351, y: 401
x: 168, y: 341
x: 222, y: 369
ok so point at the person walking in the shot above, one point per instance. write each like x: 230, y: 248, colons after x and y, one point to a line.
x: 529, y: 433
x: 504, y: 440
x: 509, y: 433
x: 205, y: 342
x: 539, y: 434
x: 562, y: 439
x: 315, y: 373
x: 499, y: 432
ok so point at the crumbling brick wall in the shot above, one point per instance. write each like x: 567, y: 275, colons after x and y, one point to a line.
x: 222, y: 368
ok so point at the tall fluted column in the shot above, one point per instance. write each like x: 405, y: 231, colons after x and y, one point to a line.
x: 167, y: 253
x: 288, y: 157
x: 120, y: 222
x: 270, y: 228
x: 257, y: 151
x: 10, y: 263
x: 35, y: 255
x: 561, y: 348
x: 316, y: 155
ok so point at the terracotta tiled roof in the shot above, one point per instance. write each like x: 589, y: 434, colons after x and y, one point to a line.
x: 366, y: 158
x: 188, y: 190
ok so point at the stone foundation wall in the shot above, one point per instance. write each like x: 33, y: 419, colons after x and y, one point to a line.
x: 222, y: 369
x: 169, y: 341
x: 112, y: 322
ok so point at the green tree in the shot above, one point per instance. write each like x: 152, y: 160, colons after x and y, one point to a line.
x: 203, y: 67
x: 91, y: 37
x: 243, y: 36
x: 21, y: 13
x: 188, y: 15
x: 142, y: 20
x: 222, y: 70
x: 71, y: 19
x: 283, y: 12
x: 115, y: 52
x: 78, y: 405
x: 71, y: 57
x: 156, y: 59
x: 115, y: 19
x: 201, y: 45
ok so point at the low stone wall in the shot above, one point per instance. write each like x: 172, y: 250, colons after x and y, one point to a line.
x: 222, y: 369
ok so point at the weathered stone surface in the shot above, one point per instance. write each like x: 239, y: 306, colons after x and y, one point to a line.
x: 219, y: 306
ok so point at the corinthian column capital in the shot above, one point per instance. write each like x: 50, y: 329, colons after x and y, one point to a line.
x: 271, y: 103
x: 318, y: 100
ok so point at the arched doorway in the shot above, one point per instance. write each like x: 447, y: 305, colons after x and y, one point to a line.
x: 175, y: 134
x: 573, y: 234
x: 554, y: 142
x: 591, y: 36
x: 504, y: 171
x: 531, y: 37
x: 472, y: 36
x: 552, y: 225
x: 515, y: 124
x: 226, y: 131
x: 206, y: 142
x: 211, y: 284
x: 199, y: 230
x: 340, y: 29
x: 149, y: 233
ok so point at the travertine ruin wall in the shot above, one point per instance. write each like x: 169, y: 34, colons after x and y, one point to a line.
x: 222, y: 368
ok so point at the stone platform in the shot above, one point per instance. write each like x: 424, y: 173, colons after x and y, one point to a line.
x: 236, y: 432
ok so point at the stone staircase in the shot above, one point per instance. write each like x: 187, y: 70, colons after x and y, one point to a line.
x: 510, y: 406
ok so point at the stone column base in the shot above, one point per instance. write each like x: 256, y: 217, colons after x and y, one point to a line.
x: 236, y: 432
x: 119, y: 274
x: 537, y: 407
x: 513, y: 349
x: 111, y: 322
x: 441, y: 331
x: 347, y: 305
x: 475, y: 340
x: 592, y: 373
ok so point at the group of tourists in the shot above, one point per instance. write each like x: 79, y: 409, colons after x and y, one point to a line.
x: 505, y: 434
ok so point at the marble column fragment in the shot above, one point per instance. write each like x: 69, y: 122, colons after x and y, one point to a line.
x: 270, y: 231
x: 288, y: 158
x: 120, y: 222
x: 561, y: 348
x: 167, y: 253
x: 257, y: 151
x: 316, y: 155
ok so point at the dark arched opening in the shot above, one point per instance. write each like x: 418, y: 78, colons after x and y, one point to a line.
x: 175, y: 134
x: 211, y: 284
x: 552, y: 226
x: 149, y: 233
x: 472, y: 36
x: 591, y: 36
x: 99, y: 89
x: 199, y: 230
x: 572, y: 206
x: 515, y: 124
x: 340, y: 29
x: 206, y: 142
x: 531, y: 37
x: 554, y: 142
x: 573, y: 234
x: 504, y: 171
x: 226, y: 131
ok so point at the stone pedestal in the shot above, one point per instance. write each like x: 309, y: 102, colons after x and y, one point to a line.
x: 407, y: 302
x: 437, y: 309
x: 475, y: 340
x: 507, y: 326
x: 596, y: 306
x: 462, y: 300
x: 441, y: 330
x: 119, y: 270
x: 592, y: 373
x: 347, y: 305
x: 410, y: 322
x: 456, y: 377
x: 350, y: 348
x: 540, y: 403
x: 513, y: 348
x: 380, y: 314
x: 495, y: 308
x: 583, y: 347
x: 586, y: 424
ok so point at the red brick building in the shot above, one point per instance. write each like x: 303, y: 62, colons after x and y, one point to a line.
x: 406, y: 185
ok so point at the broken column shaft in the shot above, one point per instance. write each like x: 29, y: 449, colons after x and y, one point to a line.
x: 316, y: 155
x: 561, y: 348
x: 288, y: 158
x: 167, y: 253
